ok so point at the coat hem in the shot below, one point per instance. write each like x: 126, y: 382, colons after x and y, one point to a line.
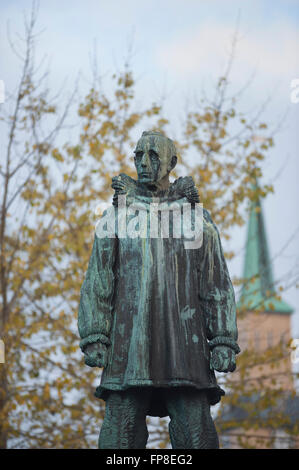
x: 214, y: 392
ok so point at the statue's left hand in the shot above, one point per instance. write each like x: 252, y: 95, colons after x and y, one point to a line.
x: 223, y: 359
x: 96, y: 355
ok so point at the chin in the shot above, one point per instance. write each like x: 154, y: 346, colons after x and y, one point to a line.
x: 146, y: 180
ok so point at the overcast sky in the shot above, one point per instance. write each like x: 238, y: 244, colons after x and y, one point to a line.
x: 181, y: 47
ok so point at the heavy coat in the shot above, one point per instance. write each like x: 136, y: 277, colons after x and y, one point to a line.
x: 157, y: 306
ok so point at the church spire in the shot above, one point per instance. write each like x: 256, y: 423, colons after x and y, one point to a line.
x: 258, y: 290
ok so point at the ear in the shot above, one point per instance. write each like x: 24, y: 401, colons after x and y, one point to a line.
x: 173, y: 162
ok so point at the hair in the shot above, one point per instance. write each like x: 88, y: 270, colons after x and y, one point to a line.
x: 159, y: 134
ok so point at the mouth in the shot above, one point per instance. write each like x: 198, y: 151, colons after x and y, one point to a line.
x: 145, y: 175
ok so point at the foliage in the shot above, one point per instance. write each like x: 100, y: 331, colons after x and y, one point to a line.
x: 258, y: 406
x: 48, y: 192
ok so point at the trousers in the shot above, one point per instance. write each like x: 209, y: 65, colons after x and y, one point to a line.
x: 191, y: 425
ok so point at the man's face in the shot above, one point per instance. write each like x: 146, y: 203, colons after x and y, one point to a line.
x: 152, y: 159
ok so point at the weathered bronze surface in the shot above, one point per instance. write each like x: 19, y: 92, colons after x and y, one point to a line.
x: 157, y: 316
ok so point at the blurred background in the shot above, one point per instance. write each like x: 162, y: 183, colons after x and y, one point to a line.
x: 82, y: 81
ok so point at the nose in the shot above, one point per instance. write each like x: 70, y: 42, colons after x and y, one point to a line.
x: 145, y: 160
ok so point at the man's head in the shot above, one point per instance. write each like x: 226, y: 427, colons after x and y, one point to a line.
x: 155, y: 157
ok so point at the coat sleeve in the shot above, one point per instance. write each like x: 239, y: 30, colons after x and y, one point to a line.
x: 96, y: 294
x: 216, y: 292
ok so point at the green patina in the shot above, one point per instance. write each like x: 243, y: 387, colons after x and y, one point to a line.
x: 187, y: 313
x: 121, y: 329
x: 158, y: 317
x: 195, y: 339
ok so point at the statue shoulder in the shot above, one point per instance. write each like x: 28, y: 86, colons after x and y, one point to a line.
x: 207, y: 216
x: 209, y: 227
x: 184, y: 186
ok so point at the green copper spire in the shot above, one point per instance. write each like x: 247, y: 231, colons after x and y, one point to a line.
x: 258, y: 291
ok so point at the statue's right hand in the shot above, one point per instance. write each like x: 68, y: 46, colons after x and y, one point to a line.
x: 96, y: 355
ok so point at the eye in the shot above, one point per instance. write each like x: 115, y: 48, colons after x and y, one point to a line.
x: 138, y: 155
x: 154, y: 155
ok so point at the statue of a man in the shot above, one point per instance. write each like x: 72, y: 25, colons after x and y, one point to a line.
x: 157, y: 316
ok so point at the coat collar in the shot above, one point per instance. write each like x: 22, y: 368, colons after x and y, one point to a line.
x: 182, y: 189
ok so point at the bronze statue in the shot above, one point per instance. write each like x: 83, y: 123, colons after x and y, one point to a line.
x: 157, y: 316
